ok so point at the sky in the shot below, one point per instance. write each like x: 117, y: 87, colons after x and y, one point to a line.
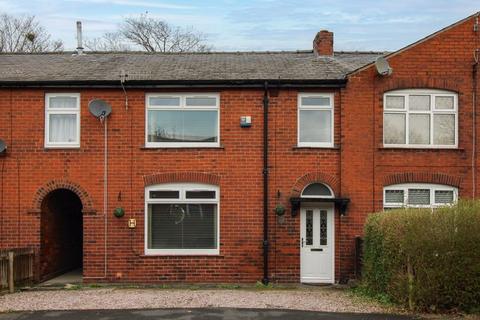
x: 257, y: 25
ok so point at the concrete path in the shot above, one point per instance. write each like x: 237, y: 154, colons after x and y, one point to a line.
x: 195, y: 314
x: 71, y: 277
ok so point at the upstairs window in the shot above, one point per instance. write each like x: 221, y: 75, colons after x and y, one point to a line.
x: 62, y: 120
x: 418, y: 195
x: 315, y: 120
x: 182, y: 120
x: 420, y: 119
x: 182, y: 219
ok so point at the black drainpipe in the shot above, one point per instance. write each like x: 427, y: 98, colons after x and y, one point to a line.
x: 265, y: 279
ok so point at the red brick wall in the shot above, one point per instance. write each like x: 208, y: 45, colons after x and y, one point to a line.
x: 442, y: 62
x: 357, y: 167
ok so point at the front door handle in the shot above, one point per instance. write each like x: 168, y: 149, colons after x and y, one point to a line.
x: 302, y: 242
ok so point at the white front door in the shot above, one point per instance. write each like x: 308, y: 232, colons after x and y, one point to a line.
x: 317, y: 244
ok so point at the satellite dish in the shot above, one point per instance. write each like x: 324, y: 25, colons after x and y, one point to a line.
x: 383, y: 68
x: 99, y: 108
x: 3, y: 146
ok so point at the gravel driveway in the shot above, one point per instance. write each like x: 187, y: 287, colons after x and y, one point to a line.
x: 318, y: 299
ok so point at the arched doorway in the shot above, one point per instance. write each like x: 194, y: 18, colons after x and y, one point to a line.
x: 317, y: 242
x: 61, y: 233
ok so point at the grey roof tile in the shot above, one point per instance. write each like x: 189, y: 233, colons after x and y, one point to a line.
x: 107, y: 66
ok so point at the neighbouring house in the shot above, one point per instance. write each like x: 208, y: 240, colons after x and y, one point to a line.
x: 230, y: 166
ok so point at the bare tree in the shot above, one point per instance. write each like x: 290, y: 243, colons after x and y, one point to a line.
x: 110, y: 41
x: 25, y: 34
x: 155, y: 35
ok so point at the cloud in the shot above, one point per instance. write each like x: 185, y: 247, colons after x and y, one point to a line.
x: 137, y: 3
x: 259, y: 24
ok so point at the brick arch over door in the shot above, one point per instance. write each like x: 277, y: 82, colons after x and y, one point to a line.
x: 62, y: 184
x: 313, y: 177
x: 198, y: 177
x: 422, y: 177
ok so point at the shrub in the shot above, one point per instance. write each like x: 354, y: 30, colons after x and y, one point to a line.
x: 424, y: 258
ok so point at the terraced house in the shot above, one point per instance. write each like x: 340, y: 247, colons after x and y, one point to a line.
x: 230, y: 166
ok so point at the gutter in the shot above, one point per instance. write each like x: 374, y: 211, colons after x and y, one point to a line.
x: 266, y: 101
x: 153, y: 84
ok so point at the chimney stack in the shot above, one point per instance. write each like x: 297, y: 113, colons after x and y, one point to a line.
x: 79, y: 38
x: 323, y: 43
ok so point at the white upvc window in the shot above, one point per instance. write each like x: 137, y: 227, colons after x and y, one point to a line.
x: 418, y: 195
x: 182, y: 120
x: 420, y: 118
x: 62, y: 120
x: 315, y: 120
x: 182, y: 219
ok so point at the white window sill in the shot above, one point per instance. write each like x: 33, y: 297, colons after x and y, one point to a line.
x: 153, y: 147
x: 62, y: 146
x: 315, y: 145
x: 420, y: 146
x: 336, y: 147
x: 182, y: 252
x: 413, y: 146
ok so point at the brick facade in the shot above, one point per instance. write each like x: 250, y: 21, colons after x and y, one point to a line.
x: 357, y: 167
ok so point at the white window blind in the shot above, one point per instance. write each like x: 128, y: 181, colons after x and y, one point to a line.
x: 444, y: 196
x: 418, y: 195
x: 394, y: 196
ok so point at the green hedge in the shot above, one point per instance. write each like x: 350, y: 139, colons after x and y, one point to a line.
x: 425, y: 259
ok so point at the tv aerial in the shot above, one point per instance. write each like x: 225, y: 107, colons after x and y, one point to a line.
x: 100, y: 109
x: 383, y: 68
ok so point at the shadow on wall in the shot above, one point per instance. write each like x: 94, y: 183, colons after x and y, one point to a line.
x: 61, y: 233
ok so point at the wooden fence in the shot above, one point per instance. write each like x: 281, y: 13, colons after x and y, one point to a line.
x: 358, y: 257
x: 16, y: 267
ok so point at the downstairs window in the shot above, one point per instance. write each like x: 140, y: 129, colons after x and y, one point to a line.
x: 418, y: 195
x: 182, y: 219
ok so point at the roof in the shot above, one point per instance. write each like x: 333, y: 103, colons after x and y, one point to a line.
x: 280, y: 66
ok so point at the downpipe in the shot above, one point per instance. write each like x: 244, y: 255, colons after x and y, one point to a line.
x: 265, y: 279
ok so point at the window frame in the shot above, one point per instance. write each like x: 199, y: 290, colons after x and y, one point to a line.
x: 331, y: 196
x: 52, y: 111
x: 433, y: 93
x: 182, y: 106
x: 182, y: 188
x: 330, y: 107
x: 406, y: 186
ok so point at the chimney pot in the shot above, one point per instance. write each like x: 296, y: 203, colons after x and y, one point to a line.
x: 79, y: 38
x: 323, y: 43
